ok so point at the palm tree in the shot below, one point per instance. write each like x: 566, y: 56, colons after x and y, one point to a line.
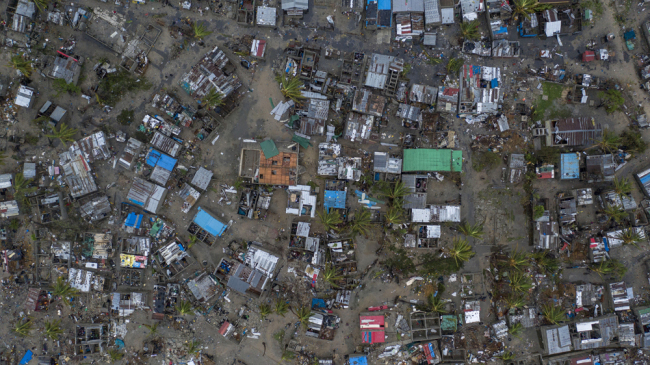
x: 434, y: 304
x: 331, y: 275
x: 516, y: 329
x: 523, y: 8
x: 608, y: 142
x: 609, y: 267
x: 64, y: 134
x: 553, y: 314
x: 281, y: 307
x: 546, y: 262
x: 193, y: 347
x: 360, y: 222
x: 153, y: 329
x: 469, y: 30
x: 24, y: 66
x: 615, y: 213
x: 516, y: 260
x: 631, y: 236
x: 514, y: 301
x: 330, y: 220
x: 21, y: 188
x: 507, y: 356
x: 192, y: 241
x: 394, y: 216
x: 62, y: 289
x: 520, y: 283
x: 461, y: 251
x: 115, y: 355
x: 185, y: 308
x: 265, y: 310
x: 303, y: 313
x: 290, y: 87
x: 200, y: 30
x: 213, y: 98
x: 41, y: 5
x: 396, y: 191
x: 454, y: 65
x: 288, y: 355
x: 471, y: 230
x: 53, y: 329
x: 23, y: 327
x: 622, y: 186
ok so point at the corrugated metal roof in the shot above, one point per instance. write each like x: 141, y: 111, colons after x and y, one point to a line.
x: 94, y: 147
x: 160, y: 175
x: 432, y: 12
x: 407, y: 6
x: 415, y: 201
x: 165, y: 144
x: 78, y: 174
x: 96, y: 209
x: 158, y: 159
x: 24, y: 96
x: 295, y: 4
x: 130, y: 153
x: 570, y: 166
x: 423, y: 159
x: 64, y: 68
x: 209, y: 74
x: 266, y: 15
x: 146, y: 194
x: 29, y: 170
x: 202, y: 178
x: 447, y: 15
x: 9, y: 209
x: 445, y: 213
x: 6, y: 181
x: 210, y: 224
x: 384, y: 163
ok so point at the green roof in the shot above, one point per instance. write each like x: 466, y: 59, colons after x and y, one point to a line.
x: 423, y: 159
x: 269, y: 148
x: 448, y: 323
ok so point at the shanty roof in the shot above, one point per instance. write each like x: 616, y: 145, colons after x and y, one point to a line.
x: 29, y: 170
x: 334, y: 199
x: 408, y: 6
x: 64, y: 68
x: 202, y: 178
x: 575, y: 131
x: 158, y: 159
x: 77, y: 174
x: 9, y: 209
x: 146, y: 195
x: 130, y: 153
x: 380, y: 67
x: 209, y: 74
x: 25, y: 96
x: 384, y: 163
x: 165, y: 144
x: 423, y: 159
x: 6, y: 181
x: 95, y: 209
x: 365, y: 102
x: 94, y: 147
x: 210, y: 224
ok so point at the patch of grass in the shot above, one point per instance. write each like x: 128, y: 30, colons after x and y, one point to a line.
x: 553, y: 91
x: 559, y: 113
x: 114, y: 86
x: 125, y: 117
x: 594, y: 5
x: 485, y: 160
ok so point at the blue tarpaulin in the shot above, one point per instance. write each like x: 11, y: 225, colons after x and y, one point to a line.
x: 204, y: 220
x: 317, y: 303
x: 494, y: 83
x: 383, y: 4
x: 358, y: 360
x: 119, y: 343
x: 157, y: 158
x: 630, y: 34
x: 27, y: 358
x: 570, y: 166
x: 133, y: 220
x: 334, y: 199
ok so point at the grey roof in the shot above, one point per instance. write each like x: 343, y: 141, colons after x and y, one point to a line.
x: 384, y: 163
x: 97, y: 208
x: 26, y: 8
x: 238, y: 284
x: 64, y: 68
x: 378, y: 70
x: 469, y: 6
x: 202, y: 178
x: 45, y: 107
x: 447, y: 15
x: 415, y: 201
x: 432, y: 12
x: 130, y: 153
x: 29, y: 170
x: 58, y: 114
x: 165, y: 144
x: 78, y: 175
x: 160, y: 175
x: 295, y: 4
x: 318, y: 109
x: 430, y: 39
x: 556, y: 339
x: 408, y: 6
x: 6, y: 181
x: 409, y: 112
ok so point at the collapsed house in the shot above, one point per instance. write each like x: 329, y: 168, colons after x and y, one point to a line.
x: 251, y: 276
x: 266, y: 163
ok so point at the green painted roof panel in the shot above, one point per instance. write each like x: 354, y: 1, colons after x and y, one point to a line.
x: 423, y: 159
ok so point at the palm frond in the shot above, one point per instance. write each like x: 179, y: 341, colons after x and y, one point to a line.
x: 64, y: 133
x: 615, y: 213
x: 265, y: 310
x: 281, y: 307
x: 20, y: 63
x: 185, y: 308
x: 471, y: 230
x: 516, y: 329
x: 361, y: 222
x: 631, y: 236
x: 394, y: 216
x: 553, y: 314
x: 23, y: 327
x: 193, y: 347
x: 622, y: 186
x: 53, y: 329
x: 520, y: 283
x: 331, y: 275
x: 213, y: 98
x: 330, y: 220
x: 290, y: 87
x: 461, y: 251
x: 200, y: 30
x: 303, y: 313
x: 469, y: 30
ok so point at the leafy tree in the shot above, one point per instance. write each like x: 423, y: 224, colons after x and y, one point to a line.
x: 361, y: 222
x: 469, y: 30
x: 117, y: 84
x: 64, y: 134
x: 281, y: 307
x: 213, y: 98
x: 185, y: 308
x: 14, y: 224
x: 20, y: 63
x: 553, y: 314
x: 523, y: 8
x: 612, y: 99
x: 435, y: 266
x: 631, y: 236
x: 62, y: 289
x: 615, y: 213
x: 632, y: 141
x: 538, y: 212
x: 288, y: 355
x: 330, y: 220
x: 265, y: 310
x: 200, y: 30
x: 520, y: 283
x: 622, y: 186
x: 53, y: 329
x: 471, y: 230
x: 461, y: 251
x: 303, y: 313
x: 290, y: 87
x: 126, y: 116
x: 401, y: 262
x: 434, y: 304
x: 331, y: 275
x: 23, y: 327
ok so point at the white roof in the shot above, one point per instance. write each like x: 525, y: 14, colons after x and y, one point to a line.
x: 433, y: 231
x: 472, y: 316
x: 447, y: 15
x: 24, y: 96
x: 551, y: 28
x: 154, y: 201
x: 420, y: 215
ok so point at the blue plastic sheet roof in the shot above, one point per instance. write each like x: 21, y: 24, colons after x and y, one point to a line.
x: 384, y: 4
x: 204, y: 220
x: 157, y: 158
x: 133, y: 220
x: 358, y: 360
x: 27, y: 358
x: 317, y: 303
x: 334, y: 199
x: 570, y: 166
